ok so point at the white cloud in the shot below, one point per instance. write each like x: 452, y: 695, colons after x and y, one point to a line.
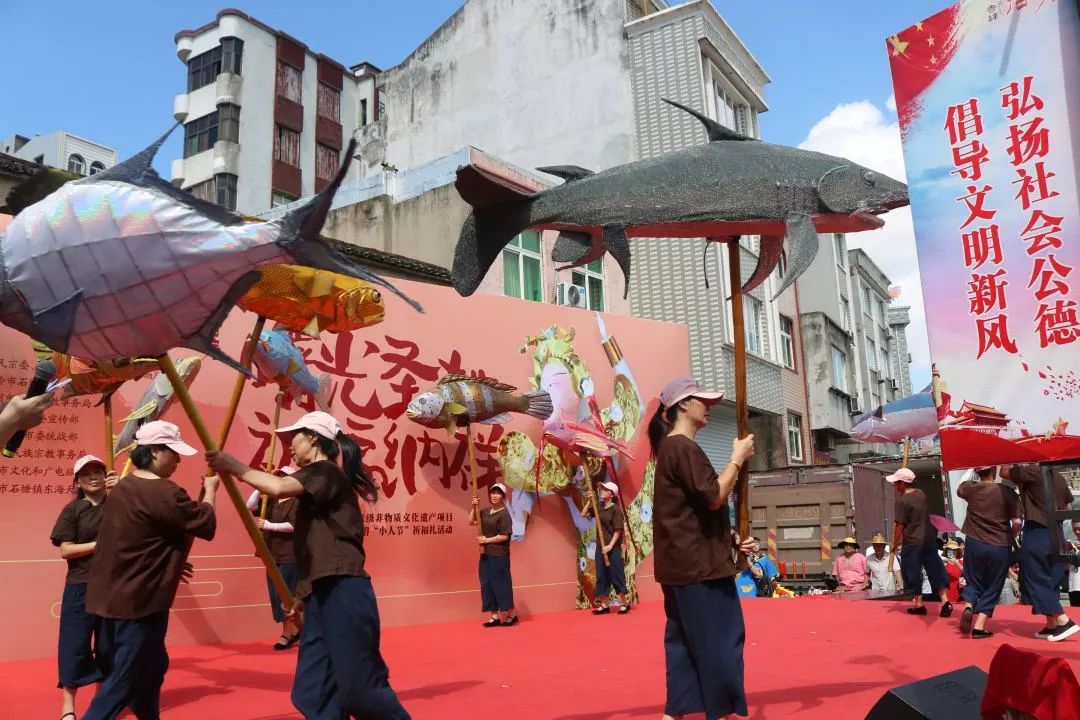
x: 891, y: 103
x: 861, y: 132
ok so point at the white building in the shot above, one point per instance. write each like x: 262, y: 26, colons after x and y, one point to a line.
x: 266, y: 120
x: 61, y: 150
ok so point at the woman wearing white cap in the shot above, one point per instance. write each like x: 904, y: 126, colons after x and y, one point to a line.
x: 704, y: 636
x: 496, y: 582
x: 612, y: 573
x: 82, y: 650
x: 919, y: 550
x: 138, y: 564
x: 277, y: 530
x: 339, y: 670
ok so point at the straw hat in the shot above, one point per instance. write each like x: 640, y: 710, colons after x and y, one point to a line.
x: 952, y: 545
x: 878, y: 539
x: 848, y: 541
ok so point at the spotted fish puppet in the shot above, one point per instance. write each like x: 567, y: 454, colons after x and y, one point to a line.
x: 124, y: 264
x: 461, y: 400
x: 732, y: 185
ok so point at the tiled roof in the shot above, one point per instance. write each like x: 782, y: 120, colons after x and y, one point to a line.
x: 12, y: 165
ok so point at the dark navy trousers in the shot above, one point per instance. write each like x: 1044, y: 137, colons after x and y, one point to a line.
x: 496, y: 583
x: 985, y: 568
x: 339, y: 671
x: 913, y: 560
x: 139, y: 662
x: 606, y: 577
x: 288, y: 572
x: 1042, y: 576
x: 83, y: 652
x: 703, y: 649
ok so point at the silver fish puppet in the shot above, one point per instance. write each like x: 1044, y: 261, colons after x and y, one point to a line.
x: 156, y: 401
x: 914, y: 416
x: 124, y: 264
x: 732, y: 185
x: 461, y: 400
x: 281, y: 363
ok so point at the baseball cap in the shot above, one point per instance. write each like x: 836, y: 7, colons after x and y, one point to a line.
x: 160, y: 432
x: 318, y: 422
x: 683, y: 387
x: 901, y: 475
x: 610, y: 486
x: 498, y: 486
x: 88, y: 460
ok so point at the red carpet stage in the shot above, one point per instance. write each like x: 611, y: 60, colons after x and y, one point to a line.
x: 809, y: 657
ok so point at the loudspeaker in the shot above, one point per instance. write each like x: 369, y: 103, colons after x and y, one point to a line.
x: 955, y: 695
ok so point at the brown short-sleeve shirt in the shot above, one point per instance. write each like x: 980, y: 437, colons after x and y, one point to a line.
x: 912, y: 513
x: 692, y: 542
x: 141, y: 546
x: 990, y: 507
x: 492, y: 524
x: 329, y: 534
x: 1029, y: 479
x: 611, y: 520
x: 281, y: 544
x: 78, y: 523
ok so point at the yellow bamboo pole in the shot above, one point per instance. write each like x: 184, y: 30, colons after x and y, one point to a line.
x: 596, y: 515
x: 269, y: 462
x: 472, y: 478
x: 110, y: 455
x: 184, y: 396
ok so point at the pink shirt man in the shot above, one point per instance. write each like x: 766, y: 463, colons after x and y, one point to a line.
x: 850, y: 568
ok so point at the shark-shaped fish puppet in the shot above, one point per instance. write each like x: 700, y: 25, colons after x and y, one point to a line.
x: 732, y: 185
x: 915, y: 416
x: 124, y: 264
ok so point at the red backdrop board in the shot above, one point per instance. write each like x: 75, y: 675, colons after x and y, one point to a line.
x: 421, y: 551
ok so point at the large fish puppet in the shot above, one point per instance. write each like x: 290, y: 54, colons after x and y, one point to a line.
x: 732, y: 185
x: 124, y: 264
x: 282, y: 363
x: 155, y: 401
x: 914, y: 416
x: 460, y: 400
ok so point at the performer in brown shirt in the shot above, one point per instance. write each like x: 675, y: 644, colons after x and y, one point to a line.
x: 612, y: 573
x: 83, y: 652
x: 993, y: 519
x: 137, y: 566
x: 704, y: 636
x: 278, y: 532
x: 919, y: 551
x: 339, y: 670
x: 1041, y: 574
x: 496, y: 582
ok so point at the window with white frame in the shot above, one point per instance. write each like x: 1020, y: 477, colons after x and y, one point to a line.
x: 225, y: 184
x: 794, y: 437
x: 839, y: 369
x: 840, y: 244
x: 277, y: 199
x: 96, y: 167
x: 753, y: 323
x: 885, y: 367
x: 845, y: 314
x: 727, y: 108
x: 781, y: 266
x: 521, y: 267
x: 591, y: 277
x: 871, y: 353
x: 867, y: 301
x: 787, y: 342
x: 205, y: 190
x: 76, y: 165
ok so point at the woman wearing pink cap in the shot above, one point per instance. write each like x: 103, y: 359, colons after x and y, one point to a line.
x: 83, y: 652
x: 612, y: 573
x: 919, y: 551
x: 138, y: 564
x: 277, y: 530
x: 704, y: 636
x: 496, y: 582
x: 339, y: 670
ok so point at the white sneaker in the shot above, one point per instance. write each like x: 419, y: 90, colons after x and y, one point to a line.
x: 1064, y: 631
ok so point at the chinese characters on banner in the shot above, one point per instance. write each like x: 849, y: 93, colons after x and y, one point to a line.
x: 984, y: 92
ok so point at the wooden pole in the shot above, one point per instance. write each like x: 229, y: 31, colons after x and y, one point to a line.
x: 184, y: 396
x: 110, y: 455
x: 472, y: 479
x: 241, y: 381
x: 742, y: 409
x: 596, y: 514
x: 897, y: 531
x: 269, y: 462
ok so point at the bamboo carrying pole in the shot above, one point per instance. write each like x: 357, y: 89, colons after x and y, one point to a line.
x: 897, y: 530
x: 596, y: 515
x: 269, y: 462
x: 472, y: 479
x: 742, y: 410
x: 110, y: 455
x: 248, y: 521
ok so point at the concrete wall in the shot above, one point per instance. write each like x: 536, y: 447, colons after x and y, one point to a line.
x: 899, y: 318
x: 829, y: 407
x: 58, y: 146
x: 534, y: 82
x: 822, y: 286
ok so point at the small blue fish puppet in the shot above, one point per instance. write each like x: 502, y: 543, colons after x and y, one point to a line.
x: 124, y: 264
x: 281, y: 363
x: 155, y: 401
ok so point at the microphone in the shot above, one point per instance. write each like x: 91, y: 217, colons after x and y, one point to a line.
x: 44, y: 373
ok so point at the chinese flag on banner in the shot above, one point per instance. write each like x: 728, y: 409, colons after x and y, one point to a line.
x: 917, y: 56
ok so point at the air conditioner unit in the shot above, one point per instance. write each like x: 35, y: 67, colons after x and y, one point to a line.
x: 856, y: 405
x: 570, y: 295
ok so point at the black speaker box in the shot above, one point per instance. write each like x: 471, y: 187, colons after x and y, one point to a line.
x: 955, y: 695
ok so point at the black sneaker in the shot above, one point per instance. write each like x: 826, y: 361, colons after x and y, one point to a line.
x: 1063, y: 631
x: 921, y: 610
x: 981, y: 634
x: 946, y: 610
x: 1045, y: 633
x: 492, y: 622
x: 965, y: 620
x: 511, y: 621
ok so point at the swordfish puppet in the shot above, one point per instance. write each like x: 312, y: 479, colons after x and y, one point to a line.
x: 124, y: 264
x: 732, y: 185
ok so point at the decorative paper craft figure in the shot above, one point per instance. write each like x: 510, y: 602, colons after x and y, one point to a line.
x: 155, y: 401
x: 733, y: 185
x: 462, y: 400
